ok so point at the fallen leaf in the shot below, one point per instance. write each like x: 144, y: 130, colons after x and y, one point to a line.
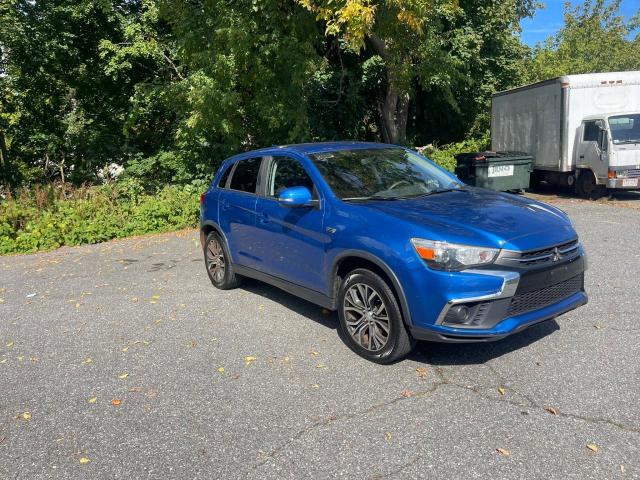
x: 116, y: 402
x: 331, y: 418
x: 551, y: 410
x: 77, y: 305
x: 87, y: 360
x: 84, y: 460
x: 260, y: 307
x: 421, y: 371
x: 31, y: 295
x: 593, y: 447
x: 134, y: 299
x: 501, y: 390
x: 622, y: 468
x: 315, y: 386
x: 123, y: 376
x: 503, y: 451
x: 321, y: 365
x: 25, y: 415
x: 597, y: 327
x: 221, y: 370
x: 92, y: 400
x: 406, y: 393
x: 124, y: 349
x: 155, y: 297
x: 249, y: 360
x: 10, y: 344
x: 388, y: 435
x: 314, y: 353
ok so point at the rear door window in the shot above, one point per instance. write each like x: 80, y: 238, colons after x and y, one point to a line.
x: 245, y: 175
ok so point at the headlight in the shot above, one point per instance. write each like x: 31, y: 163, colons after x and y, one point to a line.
x: 452, y: 256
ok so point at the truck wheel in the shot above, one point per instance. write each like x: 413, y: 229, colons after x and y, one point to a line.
x: 587, y: 187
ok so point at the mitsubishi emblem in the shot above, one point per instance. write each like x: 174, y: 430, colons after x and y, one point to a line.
x: 556, y: 254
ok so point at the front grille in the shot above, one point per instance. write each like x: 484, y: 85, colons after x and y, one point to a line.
x: 537, y: 257
x: 526, y: 302
x: 633, y: 173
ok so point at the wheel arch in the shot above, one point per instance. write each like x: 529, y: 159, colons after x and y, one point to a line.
x: 352, y: 259
x: 209, y: 226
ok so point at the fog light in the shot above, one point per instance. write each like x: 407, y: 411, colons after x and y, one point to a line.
x: 458, y: 314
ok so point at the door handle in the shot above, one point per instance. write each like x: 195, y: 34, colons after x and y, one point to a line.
x: 582, y: 157
x: 264, y: 218
x: 224, y: 205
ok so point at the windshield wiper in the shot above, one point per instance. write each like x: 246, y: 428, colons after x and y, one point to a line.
x: 441, y: 190
x: 373, y: 197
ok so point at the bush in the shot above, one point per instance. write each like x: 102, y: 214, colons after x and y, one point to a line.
x: 445, y: 155
x: 43, y: 218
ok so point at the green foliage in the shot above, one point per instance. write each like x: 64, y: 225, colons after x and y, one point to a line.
x: 595, y: 38
x: 42, y: 219
x: 445, y: 154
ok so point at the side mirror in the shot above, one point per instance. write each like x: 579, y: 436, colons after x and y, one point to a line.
x: 295, y: 197
x: 603, y: 142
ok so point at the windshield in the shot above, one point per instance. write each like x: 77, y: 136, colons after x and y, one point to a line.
x: 380, y: 173
x: 625, y: 128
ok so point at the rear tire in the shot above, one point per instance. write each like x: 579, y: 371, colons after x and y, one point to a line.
x: 218, y: 263
x: 371, y: 322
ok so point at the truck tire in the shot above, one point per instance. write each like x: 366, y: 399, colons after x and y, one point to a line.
x: 587, y: 187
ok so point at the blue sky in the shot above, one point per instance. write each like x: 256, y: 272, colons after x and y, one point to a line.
x: 549, y: 20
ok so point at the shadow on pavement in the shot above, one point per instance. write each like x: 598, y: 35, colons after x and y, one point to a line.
x: 475, y: 353
x: 551, y: 191
x: 428, y: 352
x: 298, y: 305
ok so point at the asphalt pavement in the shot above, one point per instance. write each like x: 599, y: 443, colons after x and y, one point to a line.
x: 120, y: 360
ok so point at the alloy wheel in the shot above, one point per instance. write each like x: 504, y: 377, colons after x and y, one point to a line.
x: 215, y: 260
x: 366, y: 317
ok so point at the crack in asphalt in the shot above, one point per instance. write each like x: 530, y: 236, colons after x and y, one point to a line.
x: 443, y: 381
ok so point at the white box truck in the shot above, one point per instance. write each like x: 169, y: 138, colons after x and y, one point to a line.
x: 582, y: 130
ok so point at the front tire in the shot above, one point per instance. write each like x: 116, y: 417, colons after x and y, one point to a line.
x: 587, y: 187
x: 218, y: 263
x: 370, y: 319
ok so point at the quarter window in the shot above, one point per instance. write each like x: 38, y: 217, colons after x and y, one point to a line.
x: 225, y: 176
x: 245, y: 176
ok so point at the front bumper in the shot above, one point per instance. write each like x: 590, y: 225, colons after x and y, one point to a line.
x: 623, y: 183
x: 524, y: 298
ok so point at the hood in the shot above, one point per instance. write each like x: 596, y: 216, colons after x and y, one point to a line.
x: 482, y: 217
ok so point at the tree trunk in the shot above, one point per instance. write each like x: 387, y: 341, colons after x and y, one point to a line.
x: 394, y: 109
x: 4, y: 160
x: 394, y: 113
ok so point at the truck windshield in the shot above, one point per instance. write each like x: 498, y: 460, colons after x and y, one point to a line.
x: 625, y: 128
x: 381, y: 174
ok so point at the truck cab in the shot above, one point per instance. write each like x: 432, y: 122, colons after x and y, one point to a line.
x: 609, y: 147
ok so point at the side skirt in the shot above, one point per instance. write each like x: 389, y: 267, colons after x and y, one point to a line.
x: 306, y: 293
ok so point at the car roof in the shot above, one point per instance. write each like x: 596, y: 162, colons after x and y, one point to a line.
x: 310, y: 148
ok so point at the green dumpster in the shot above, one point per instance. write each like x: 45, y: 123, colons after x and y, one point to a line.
x: 502, y: 171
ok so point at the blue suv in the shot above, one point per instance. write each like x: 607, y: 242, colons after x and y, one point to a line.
x: 397, y: 245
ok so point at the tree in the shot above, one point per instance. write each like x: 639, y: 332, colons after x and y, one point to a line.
x: 66, y: 112
x: 422, y: 44
x: 595, y: 38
